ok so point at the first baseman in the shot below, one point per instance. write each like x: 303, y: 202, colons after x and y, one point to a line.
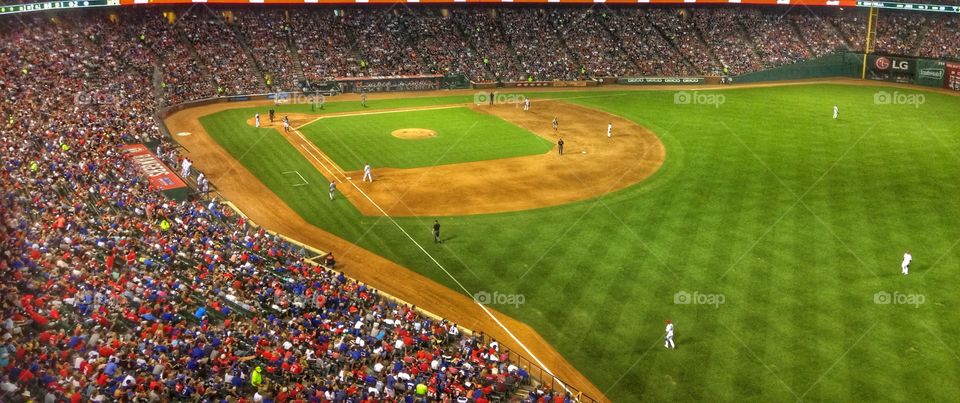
x: 367, y: 173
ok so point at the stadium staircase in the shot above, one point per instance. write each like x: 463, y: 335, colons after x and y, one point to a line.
x: 673, y: 45
x: 803, y: 38
x: 254, y: 62
x: 744, y: 34
x: 204, y: 72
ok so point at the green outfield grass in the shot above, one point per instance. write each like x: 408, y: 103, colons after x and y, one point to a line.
x: 462, y: 136
x: 797, y: 220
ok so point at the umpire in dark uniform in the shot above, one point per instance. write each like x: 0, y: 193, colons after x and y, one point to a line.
x: 436, y: 232
x: 560, y: 145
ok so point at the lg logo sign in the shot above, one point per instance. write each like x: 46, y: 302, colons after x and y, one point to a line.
x: 883, y: 63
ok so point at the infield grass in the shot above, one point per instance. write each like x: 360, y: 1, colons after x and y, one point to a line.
x: 462, y: 135
x: 797, y: 221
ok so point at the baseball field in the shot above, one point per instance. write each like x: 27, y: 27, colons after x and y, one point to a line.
x: 768, y: 232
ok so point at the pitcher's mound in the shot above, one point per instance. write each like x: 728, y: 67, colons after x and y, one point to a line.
x: 413, y: 133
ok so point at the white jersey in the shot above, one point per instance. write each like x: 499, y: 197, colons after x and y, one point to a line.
x: 609, y: 128
x: 907, y: 258
x: 366, y: 169
x: 669, y: 330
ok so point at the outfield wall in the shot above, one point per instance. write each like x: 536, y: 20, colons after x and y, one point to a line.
x: 835, y: 65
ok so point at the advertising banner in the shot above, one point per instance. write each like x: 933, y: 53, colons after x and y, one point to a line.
x: 661, y: 80
x: 930, y: 73
x: 951, y: 76
x: 159, y: 175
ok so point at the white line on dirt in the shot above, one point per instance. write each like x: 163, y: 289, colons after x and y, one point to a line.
x: 334, y: 175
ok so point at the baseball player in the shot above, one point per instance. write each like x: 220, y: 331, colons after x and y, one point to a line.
x: 272, y: 113
x: 560, y: 146
x: 331, y: 189
x: 363, y: 99
x: 257, y: 118
x: 555, y: 123
x: 836, y: 112
x: 609, y: 130
x: 526, y: 104
x: 436, y: 232
x: 286, y: 123
x: 668, y: 340
x: 905, y: 265
x: 367, y: 173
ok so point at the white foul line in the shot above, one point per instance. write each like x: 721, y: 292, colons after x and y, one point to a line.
x: 484, y: 308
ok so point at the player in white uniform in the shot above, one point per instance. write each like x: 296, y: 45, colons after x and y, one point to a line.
x: 257, y: 118
x: 286, y: 123
x: 905, y: 265
x: 609, y: 130
x: 668, y: 340
x: 836, y: 112
x: 367, y: 173
x: 332, y: 189
x: 526, y: 104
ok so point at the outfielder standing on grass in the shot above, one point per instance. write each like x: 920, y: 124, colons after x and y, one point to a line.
x: 436, y: 232
x: 332, y: 189
x: 905, y: 265
x: 668, y: 339
x: 836, y: 112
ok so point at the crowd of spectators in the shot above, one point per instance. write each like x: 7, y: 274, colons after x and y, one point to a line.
x: 325, y: 49
x: 587, y: 37
x: 651, y: 52
x: 817, y: 33
x: 444, y: 46
x: 222, y: 51
x: 774, y: 38
x: 112, y: 292
x: 482, y: 29
x: 941, y: 39
x: 268, y: 34
x: 538, y: 45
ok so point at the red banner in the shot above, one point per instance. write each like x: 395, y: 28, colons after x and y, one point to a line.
x: 951, y: 78
x: 160, y: 176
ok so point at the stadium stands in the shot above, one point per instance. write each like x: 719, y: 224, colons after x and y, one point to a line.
x: 114, y: 292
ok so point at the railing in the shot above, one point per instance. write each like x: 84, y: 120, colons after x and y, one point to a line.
x: 546, y: 378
